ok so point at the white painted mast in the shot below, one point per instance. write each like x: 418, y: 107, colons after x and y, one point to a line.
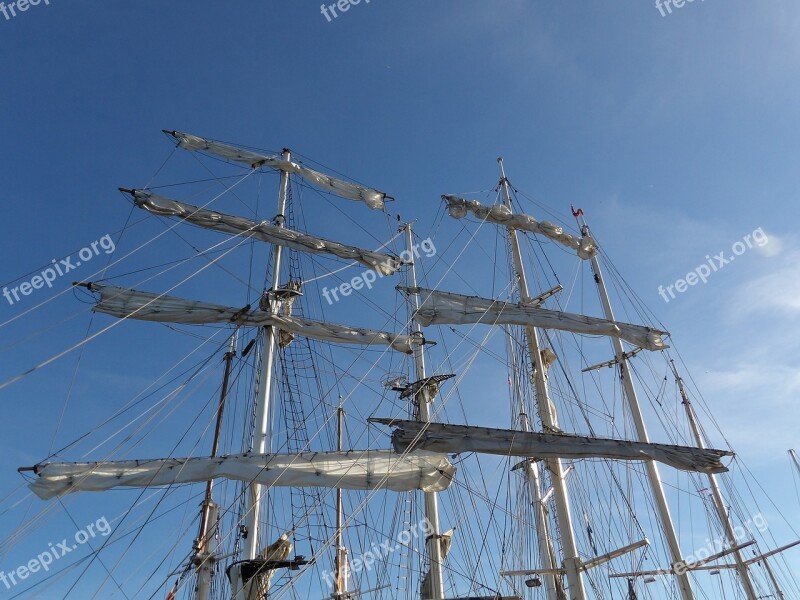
x: 340, y: 574
x: 254, y: 497
x: 572, y: 562
x: 206, y: 555
x: 433, y: 541
x: 641, y: 430
x: 779, y: 592
x: 552, y: 583
x: 716, y: 492
x: 796, y: 461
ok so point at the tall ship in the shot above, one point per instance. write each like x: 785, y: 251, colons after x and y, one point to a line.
x: 344, y: 400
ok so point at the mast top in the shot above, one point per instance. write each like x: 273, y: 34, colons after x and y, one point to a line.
x: 503, y: 178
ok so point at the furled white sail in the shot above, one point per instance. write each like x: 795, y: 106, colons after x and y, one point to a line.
x: 146, y: 306
x: 447, y: 308
x: 445, y: 541
x: 371, y: 197
x: 446, y: 438
x: 264, y: 231
x: 499, y: 214
x: 353, y: 470
x: 258, y: 585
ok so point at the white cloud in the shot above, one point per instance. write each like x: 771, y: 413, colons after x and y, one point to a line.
x: 754, y: 378
x: 777, y: 291
x: 774, y: 246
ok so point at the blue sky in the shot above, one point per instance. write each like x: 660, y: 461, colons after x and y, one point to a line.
x: 678, y: 136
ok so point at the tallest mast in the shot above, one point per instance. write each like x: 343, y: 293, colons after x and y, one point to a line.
x: 253, y: 506
x: 572, y: 562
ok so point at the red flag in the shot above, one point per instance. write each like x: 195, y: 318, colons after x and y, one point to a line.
x: 576, y: 213
x: 172, y: 592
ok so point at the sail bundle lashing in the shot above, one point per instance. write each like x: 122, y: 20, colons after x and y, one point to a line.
x: 125, y: 303
x: 371, y: 197
x: 447, y: 308
x: 385, y: 264
x: 500, y: 214
x: 256, y: 574
x: 455, y: 439
x: 352, y: 470
x: 445, y: 541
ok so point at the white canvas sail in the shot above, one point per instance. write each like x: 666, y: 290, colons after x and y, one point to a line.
x: 447, y: 308
x: 353, y: 470
x: 263, y: 231
x: 145, y: 306
x: 258, y: 585
x: 499, y: 214
x: 371, y: 197
x: 446, y: 438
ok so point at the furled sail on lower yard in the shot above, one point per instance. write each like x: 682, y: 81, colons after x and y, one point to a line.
x: 353, y: 470
x: 499, y: 214
x: 146, y: 306
x: 447, y: 308
x: 371, y: 197
x: 446, y: 438
x: 264, y: 231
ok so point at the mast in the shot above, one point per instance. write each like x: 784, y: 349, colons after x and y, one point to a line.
x: 253, y: 505
x: 552, y: 583
x: 572, y: 562
x: 716, y: 492
x: 340, y: 563
x: 638, y: 419
x: 433, y: 541
x: 765, y: 561
x: 204, y: 546
x: 796, y: 461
